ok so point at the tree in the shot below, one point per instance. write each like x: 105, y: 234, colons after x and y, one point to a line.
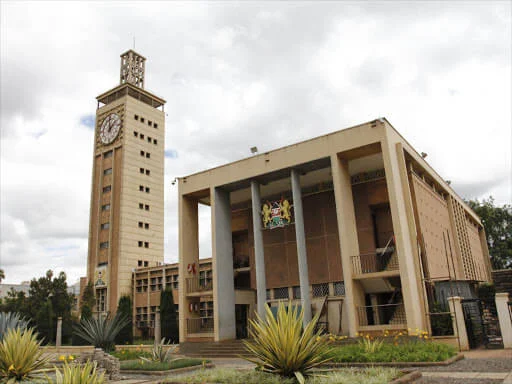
x: 497, y: 222
x: 2, y: 275
x: 168, y: 316
x: 88, y: 301
x: 124, y: 309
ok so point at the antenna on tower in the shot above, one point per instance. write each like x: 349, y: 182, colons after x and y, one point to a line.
x: 134, y: 43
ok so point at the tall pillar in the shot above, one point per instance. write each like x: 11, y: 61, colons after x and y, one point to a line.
x: 347, y: 230
x: 259, y: 251
x: 505, y: 318
x: 301, y: 246
x: 188, y: 254
x: 158, y: 327
x: 410, y: 275
x: 222, y: 263
x: 459, y: 325
x: 58, y: 341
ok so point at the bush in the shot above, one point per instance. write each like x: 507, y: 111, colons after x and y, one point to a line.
x: 162, y: 352
x: 168, y: 316
x: 20, y: 355
x: 11, y: 320
x: 101, y: 331
x: 78, y: 374
x: 124, y: 308
x: 283, y: 347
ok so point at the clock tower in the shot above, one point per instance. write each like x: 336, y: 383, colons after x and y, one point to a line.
x: 126, y: 228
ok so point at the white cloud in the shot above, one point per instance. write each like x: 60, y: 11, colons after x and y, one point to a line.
x: 237, y: 75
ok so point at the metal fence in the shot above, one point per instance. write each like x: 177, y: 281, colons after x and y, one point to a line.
x: 372, y: 262
x: 200, y: 325
x: 198, y: 285
x: 384, y: 314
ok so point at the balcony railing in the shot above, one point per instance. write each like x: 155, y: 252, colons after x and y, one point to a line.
x: 386, y: 314
x: 375, y: 262
x: 240, y: 262
x: 200, y: 325
x: 198, y: 285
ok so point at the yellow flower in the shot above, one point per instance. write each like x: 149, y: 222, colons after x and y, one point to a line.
x: 71, y: 357
x: 11, y: 367
x: 62, y: 358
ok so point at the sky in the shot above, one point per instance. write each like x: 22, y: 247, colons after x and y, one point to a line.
x: 237, y: 75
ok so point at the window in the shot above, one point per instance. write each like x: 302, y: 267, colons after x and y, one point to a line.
x: 146, y: 263
x: 141, y: 224
x: 139, y: 263
x: 101, y: 294
x: 104, y: 245
x: 148, y: 172
x: 296, y: 292
x: 136, y: 117
x: 107, y: 171
x: 141, y: 170
x: 142, y: 153
x: 141, y: 188
x: 155, y: 142
x: 108, y: 154
x: 147, y: 189
x: 146, y: 207
x: 281, y: 293
x: 269, y: 294
x: 141, y: 119
x: 141, y: 206
x: 142, y: 136
x: 136, y: 134
x: 148, y: 155
x: 155, y: 125
x: 140, y: 243
x: 105, y: 207
x: 150, y: 122
x: 146, y: 244
x: 146, y: 225
x: 105, y: 226
x: 339, y: 288
x: 149, y: 139
x: 320, y: 290
x: 106, y: 189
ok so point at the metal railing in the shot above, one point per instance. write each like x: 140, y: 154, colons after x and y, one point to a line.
x: 200, y: 325
x: 385, y: 314
x: 195, y: 284
x: 374, y: 262
x: 240, y: 262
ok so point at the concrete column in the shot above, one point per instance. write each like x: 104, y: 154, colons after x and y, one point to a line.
x: 347, y: 231
x: 410, y: 275
x: 158, y: 327
x: 58, y: 341
x: 459, y: 325
x: 222, y: 264
x: 505, y: 318
x: 188, y: 253
x: 301, y: 246
x: 259, y: 251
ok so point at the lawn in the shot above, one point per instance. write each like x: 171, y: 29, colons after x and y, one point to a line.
x: 405, y: 352
x: 130, y: 354
x: 232, y: 376
x: 141, y: 365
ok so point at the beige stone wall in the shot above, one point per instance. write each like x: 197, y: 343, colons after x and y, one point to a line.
x: 478, y: 254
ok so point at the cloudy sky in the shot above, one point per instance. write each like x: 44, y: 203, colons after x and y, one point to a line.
x: 237, y: 75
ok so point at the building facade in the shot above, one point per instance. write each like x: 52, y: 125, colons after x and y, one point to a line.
x: 354, y: 225
x: 127, y: 194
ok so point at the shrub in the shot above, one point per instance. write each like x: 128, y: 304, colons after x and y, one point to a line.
x: 162, y: 352
x: 78, y: 374
x: 11, y: 320
x: 101, y: 331
x: 125, y: 336
x: 20, y: 355
x: 282, y: 346
x: 169, y: 316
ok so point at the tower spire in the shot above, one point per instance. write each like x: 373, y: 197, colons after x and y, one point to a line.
x: 133, y: 68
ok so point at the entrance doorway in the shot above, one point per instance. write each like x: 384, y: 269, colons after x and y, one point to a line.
x: 241, y: 311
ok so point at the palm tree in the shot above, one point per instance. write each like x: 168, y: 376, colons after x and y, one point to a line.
x: 2, y: 275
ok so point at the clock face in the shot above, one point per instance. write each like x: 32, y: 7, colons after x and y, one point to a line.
x: 110, y: 128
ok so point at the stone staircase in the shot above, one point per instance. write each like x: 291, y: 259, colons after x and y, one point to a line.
x: 229, y: 348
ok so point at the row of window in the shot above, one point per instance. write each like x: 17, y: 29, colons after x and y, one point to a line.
x: 144, y: 171
x: 107, y: 171
x: 142, y: 263
x: 142, y: 188
x: 318, y: 290
x: 141, y: 136
x: 144, y: 244
x: 144, y: 206
x: 142, y: 119
x: 108, y: 154
x: 143, y: 225
x: 145, y: 154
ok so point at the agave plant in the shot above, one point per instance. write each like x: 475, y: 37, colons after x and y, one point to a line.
x: 101, y: 331
x: 78, y: 374
x: 282, y: 346
x: 20, y: 355
x: 162, y: 352
x: 10, y: 320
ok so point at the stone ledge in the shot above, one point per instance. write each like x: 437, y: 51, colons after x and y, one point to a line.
x: 409, y: 377
x: 163, y: 373
x: 398, y: 364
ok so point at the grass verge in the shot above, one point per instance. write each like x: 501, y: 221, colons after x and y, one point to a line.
x: 232, y: 376
x: 140, y: 365
x: 408, y: 352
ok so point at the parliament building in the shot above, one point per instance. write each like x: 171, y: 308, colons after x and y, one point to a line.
x: 354, y: 225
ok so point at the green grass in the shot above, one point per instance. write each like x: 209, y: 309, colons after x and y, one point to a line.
x: 406, y: 352
x: 232, y: 376
x: 140, y: 365
x: 129, y: 354
x: 139, y: 341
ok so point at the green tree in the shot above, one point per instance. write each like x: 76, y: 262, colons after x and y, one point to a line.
x: 497, y: 222
x: 88, y: 301
x: 124, y: 309
x: 168, y: 316
x: 2, y: 275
